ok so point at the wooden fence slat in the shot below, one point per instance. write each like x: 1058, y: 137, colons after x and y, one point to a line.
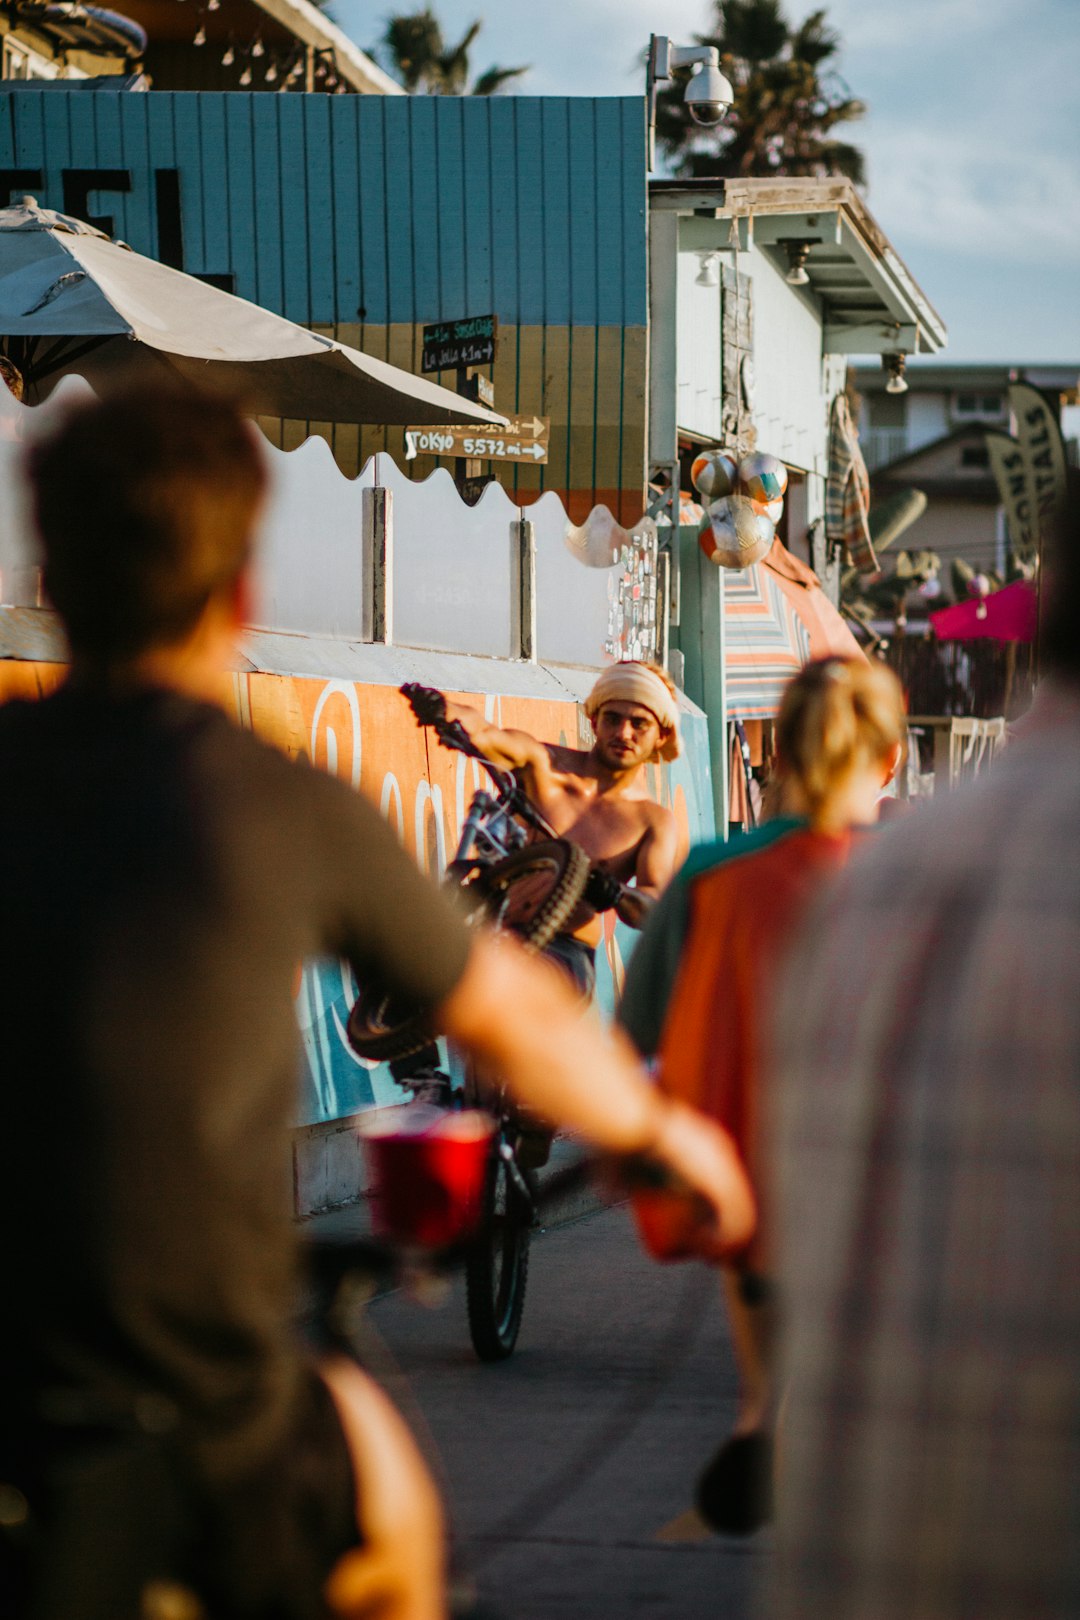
x: 345, y: 209
x: 554, y: 119
x: 240, y: 165
x: 374, y: 296
x: 582, y: 211
x: 476, y: 157
x: 425, y: 212
x: 297, y: 225
x: 451, y: 181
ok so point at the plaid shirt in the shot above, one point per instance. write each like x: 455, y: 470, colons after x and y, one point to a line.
x: 927, y: 1148
x: 847, y: 491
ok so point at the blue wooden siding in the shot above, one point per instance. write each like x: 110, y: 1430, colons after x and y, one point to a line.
x: 367, y: 216
x: 343, y: 209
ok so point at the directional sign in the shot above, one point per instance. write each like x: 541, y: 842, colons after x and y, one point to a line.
x: 524, y: 439
x: 470, y: 342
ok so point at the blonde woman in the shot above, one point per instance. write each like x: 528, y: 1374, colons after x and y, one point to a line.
x: 699, y: 992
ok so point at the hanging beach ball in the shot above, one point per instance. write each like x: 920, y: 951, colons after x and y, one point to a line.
x: 773, y: 510
x: 762, y: 478
x: 734, y: 535
x: 713, y: 474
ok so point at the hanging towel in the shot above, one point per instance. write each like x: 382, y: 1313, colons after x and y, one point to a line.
x: 847, y: 491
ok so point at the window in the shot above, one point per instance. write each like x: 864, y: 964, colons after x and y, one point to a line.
x: 974, y: 455
x: 21, y: 61
x: 982, y: 407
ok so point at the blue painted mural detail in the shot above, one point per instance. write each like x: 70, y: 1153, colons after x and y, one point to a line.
x: 369, y: 209
x: 335, y: 1082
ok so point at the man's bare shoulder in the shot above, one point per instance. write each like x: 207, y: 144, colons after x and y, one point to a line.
x: 571, y: 761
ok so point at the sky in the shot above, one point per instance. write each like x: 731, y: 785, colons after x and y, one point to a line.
x: 972, y: 137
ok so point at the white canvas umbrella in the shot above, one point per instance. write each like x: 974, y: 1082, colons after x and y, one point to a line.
x: 85, y: 303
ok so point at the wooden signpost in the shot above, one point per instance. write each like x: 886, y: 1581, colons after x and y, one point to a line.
x: 524, y: 440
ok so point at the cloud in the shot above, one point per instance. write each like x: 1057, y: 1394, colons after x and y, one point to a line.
x: 915, y: 27
x: 966, y: 193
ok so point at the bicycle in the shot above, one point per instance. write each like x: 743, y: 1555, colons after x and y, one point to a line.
x: 510, y: 870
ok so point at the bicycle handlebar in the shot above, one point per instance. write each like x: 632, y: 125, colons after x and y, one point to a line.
x: 328, y: 1260
x: 429, y: 706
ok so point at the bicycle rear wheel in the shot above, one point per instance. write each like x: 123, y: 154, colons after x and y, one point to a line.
x: 497, y: 1269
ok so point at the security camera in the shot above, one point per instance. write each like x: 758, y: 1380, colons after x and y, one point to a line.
x: 708, y: 96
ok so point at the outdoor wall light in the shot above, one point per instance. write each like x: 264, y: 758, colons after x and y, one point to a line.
x: 708, y: 95
x: 797, y: 255
x: 708, y: 275
x: 895, y: 365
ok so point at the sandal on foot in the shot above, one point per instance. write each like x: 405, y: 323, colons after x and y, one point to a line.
x: 735, y: 1493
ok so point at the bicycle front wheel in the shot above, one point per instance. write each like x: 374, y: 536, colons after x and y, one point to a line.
x: 497, y: 1268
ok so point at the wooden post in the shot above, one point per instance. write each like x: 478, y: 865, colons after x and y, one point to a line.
x: 523, y: 590
x: 465, y: 467
x: 377, y: 616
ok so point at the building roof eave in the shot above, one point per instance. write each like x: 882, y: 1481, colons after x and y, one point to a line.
x: 312, y: 27
x: 871, y: 303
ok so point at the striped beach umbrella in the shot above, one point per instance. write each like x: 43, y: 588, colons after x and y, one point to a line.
x: 767, y: 643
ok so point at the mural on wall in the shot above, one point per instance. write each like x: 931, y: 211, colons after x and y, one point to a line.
x: 366, y: 735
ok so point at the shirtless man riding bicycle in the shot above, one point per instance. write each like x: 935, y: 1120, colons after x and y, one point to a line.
x: 596, y: 798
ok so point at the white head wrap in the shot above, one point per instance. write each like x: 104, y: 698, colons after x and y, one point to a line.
x: 636, y: 683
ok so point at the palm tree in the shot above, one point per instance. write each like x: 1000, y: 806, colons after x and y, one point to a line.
x: 788, y: 100
x: 414, y: 46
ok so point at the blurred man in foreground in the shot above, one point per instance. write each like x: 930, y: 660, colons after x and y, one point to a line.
x: 165, y: 874
x: 928, y: 1143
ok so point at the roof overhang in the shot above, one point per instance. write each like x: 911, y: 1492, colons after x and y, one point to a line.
x: 281, y: 24
x: 313, y: 27
x: 869, y: 300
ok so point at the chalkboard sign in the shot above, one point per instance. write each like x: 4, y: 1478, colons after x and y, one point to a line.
x: 470, y: 342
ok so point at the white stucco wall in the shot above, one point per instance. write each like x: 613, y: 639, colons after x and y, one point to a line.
x: 790, y: 408
x: 699, y: 372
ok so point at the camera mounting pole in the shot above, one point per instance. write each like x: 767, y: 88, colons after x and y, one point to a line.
x: 708, y: 94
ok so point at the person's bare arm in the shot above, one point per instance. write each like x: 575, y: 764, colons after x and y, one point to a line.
x: 397, y: 1571
x: 510, y: 750
x: 513, y: 750
x: 657, y: 858
x: 523, y: 1023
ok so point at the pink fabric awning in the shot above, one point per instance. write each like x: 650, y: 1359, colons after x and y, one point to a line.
x: 1011, y: 614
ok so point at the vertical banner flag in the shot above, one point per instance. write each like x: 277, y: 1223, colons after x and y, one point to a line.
x: 1011, y: 474
x: 1038, y: 432
x: 1030, y: 469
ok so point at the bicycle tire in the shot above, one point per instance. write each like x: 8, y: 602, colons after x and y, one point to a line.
x: 497, y: 1267
x: 568, y: 867
x: 382, y: 1027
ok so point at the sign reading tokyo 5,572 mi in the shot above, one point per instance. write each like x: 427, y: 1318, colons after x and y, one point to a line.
x: 523, y: 439
x: 470, y: 342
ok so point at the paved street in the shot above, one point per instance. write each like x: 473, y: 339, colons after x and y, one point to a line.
x: 565, y: 1464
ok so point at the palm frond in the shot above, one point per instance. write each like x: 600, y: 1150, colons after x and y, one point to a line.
x: 491, y: 82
